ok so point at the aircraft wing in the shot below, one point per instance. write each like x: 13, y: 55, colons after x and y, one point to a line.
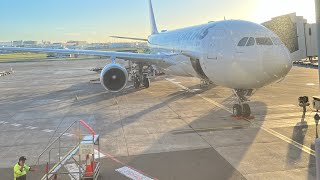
x: 129, y: 38
x: 154, y: 59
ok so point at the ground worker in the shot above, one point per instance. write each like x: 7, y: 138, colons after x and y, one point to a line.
x: 20, y: 169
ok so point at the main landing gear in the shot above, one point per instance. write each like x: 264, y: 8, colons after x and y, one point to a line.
x: 242, y: 109
x: 140, y: 77
x: 145, y: 81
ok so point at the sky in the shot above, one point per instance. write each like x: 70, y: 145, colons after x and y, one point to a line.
x: 96, y: 20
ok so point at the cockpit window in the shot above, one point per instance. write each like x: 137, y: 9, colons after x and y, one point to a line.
x: 264, y: 41
x: 243, y: 41
x: 276, y: 41
x: 251, y: 42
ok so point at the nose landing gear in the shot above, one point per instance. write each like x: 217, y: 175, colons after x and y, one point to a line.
x: 242, y: 109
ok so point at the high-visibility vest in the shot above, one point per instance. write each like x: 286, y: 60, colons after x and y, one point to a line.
x: 17, y: 172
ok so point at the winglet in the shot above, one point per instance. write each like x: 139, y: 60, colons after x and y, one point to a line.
x: 154, y: 29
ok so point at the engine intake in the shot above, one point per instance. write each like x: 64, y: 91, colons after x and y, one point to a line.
x: 114, y: 77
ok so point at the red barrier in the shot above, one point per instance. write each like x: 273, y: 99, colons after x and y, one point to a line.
x: 88, y: 127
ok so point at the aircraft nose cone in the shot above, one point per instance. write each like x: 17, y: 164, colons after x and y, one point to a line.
x: 285, y: 61
x: 277, y: 65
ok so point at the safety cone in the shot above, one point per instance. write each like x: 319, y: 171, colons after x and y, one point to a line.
x: 89, y: 167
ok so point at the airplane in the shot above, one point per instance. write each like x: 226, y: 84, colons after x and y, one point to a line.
x: 240, y: 55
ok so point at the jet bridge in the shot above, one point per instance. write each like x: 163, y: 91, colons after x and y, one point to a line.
x: 299, y: 36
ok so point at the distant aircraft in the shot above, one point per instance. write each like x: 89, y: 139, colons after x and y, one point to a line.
x: 240, y: 55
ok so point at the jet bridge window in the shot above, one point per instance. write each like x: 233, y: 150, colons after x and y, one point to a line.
x: 264, y: 41
x: 251, y: 42
x: 243, y: 41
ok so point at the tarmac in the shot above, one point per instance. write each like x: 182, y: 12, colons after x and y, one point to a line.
x: 172, y: 130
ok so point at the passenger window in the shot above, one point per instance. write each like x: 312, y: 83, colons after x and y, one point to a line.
x: 251, y: 42
x: 264, y: 41
x: 243, y: 41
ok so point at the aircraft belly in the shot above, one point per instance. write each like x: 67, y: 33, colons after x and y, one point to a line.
x: 181, y: 66
x: 233, y: 74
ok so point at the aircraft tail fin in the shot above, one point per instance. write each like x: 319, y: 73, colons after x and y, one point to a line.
x: 154, y: 29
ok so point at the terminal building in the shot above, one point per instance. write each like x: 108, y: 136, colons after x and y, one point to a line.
x: 295, y: 32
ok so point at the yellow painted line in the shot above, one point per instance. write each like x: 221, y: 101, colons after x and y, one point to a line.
x: 208, y: 129
x: 288, y: 140
x: 270, y: 131
x: 207, y: 99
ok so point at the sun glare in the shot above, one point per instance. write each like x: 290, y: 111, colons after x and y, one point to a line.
x: 271, y: 8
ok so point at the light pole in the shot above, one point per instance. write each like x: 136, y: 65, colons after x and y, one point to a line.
x: 317, y: 5
x: 317, y: 141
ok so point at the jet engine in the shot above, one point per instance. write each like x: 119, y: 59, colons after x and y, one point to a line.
x: 114, y: 77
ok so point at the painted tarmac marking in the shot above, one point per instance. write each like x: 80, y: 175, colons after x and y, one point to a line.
x: 67, y: 134
x: 16, y: 125
x: 31, y: 127
x: 132, y: 174
x: 282, y: 106
x: 310, y: 84
x: 48, y: 130
x: 282, y: 115
x: 208, y: 129
x: 280, y: 136
x: 288, y: 140
x: 72, y: 169
x: 118, y: 161
x: 97, y: 154
x: 207, y: 99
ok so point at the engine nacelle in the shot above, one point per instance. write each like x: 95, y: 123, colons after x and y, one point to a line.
x: 114, y: 77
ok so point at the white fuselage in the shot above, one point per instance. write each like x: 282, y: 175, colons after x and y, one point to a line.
x: 213, y: 52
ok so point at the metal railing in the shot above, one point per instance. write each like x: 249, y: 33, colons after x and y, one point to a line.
x: 69, y: 155
x: 58, y: 139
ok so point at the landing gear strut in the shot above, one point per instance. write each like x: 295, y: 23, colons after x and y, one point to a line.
x: 242, y: 109
x: 136, y: 82
x: 146, y: 80
x: 205, y: 83
x: 140, y: 77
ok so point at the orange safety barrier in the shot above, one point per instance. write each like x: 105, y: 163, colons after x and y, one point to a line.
x: 90, y: 166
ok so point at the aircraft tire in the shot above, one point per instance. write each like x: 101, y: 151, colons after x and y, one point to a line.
x: 237, y: 110
x: 146, y: 82
x: 136, y: 83
x: 246, y: 111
